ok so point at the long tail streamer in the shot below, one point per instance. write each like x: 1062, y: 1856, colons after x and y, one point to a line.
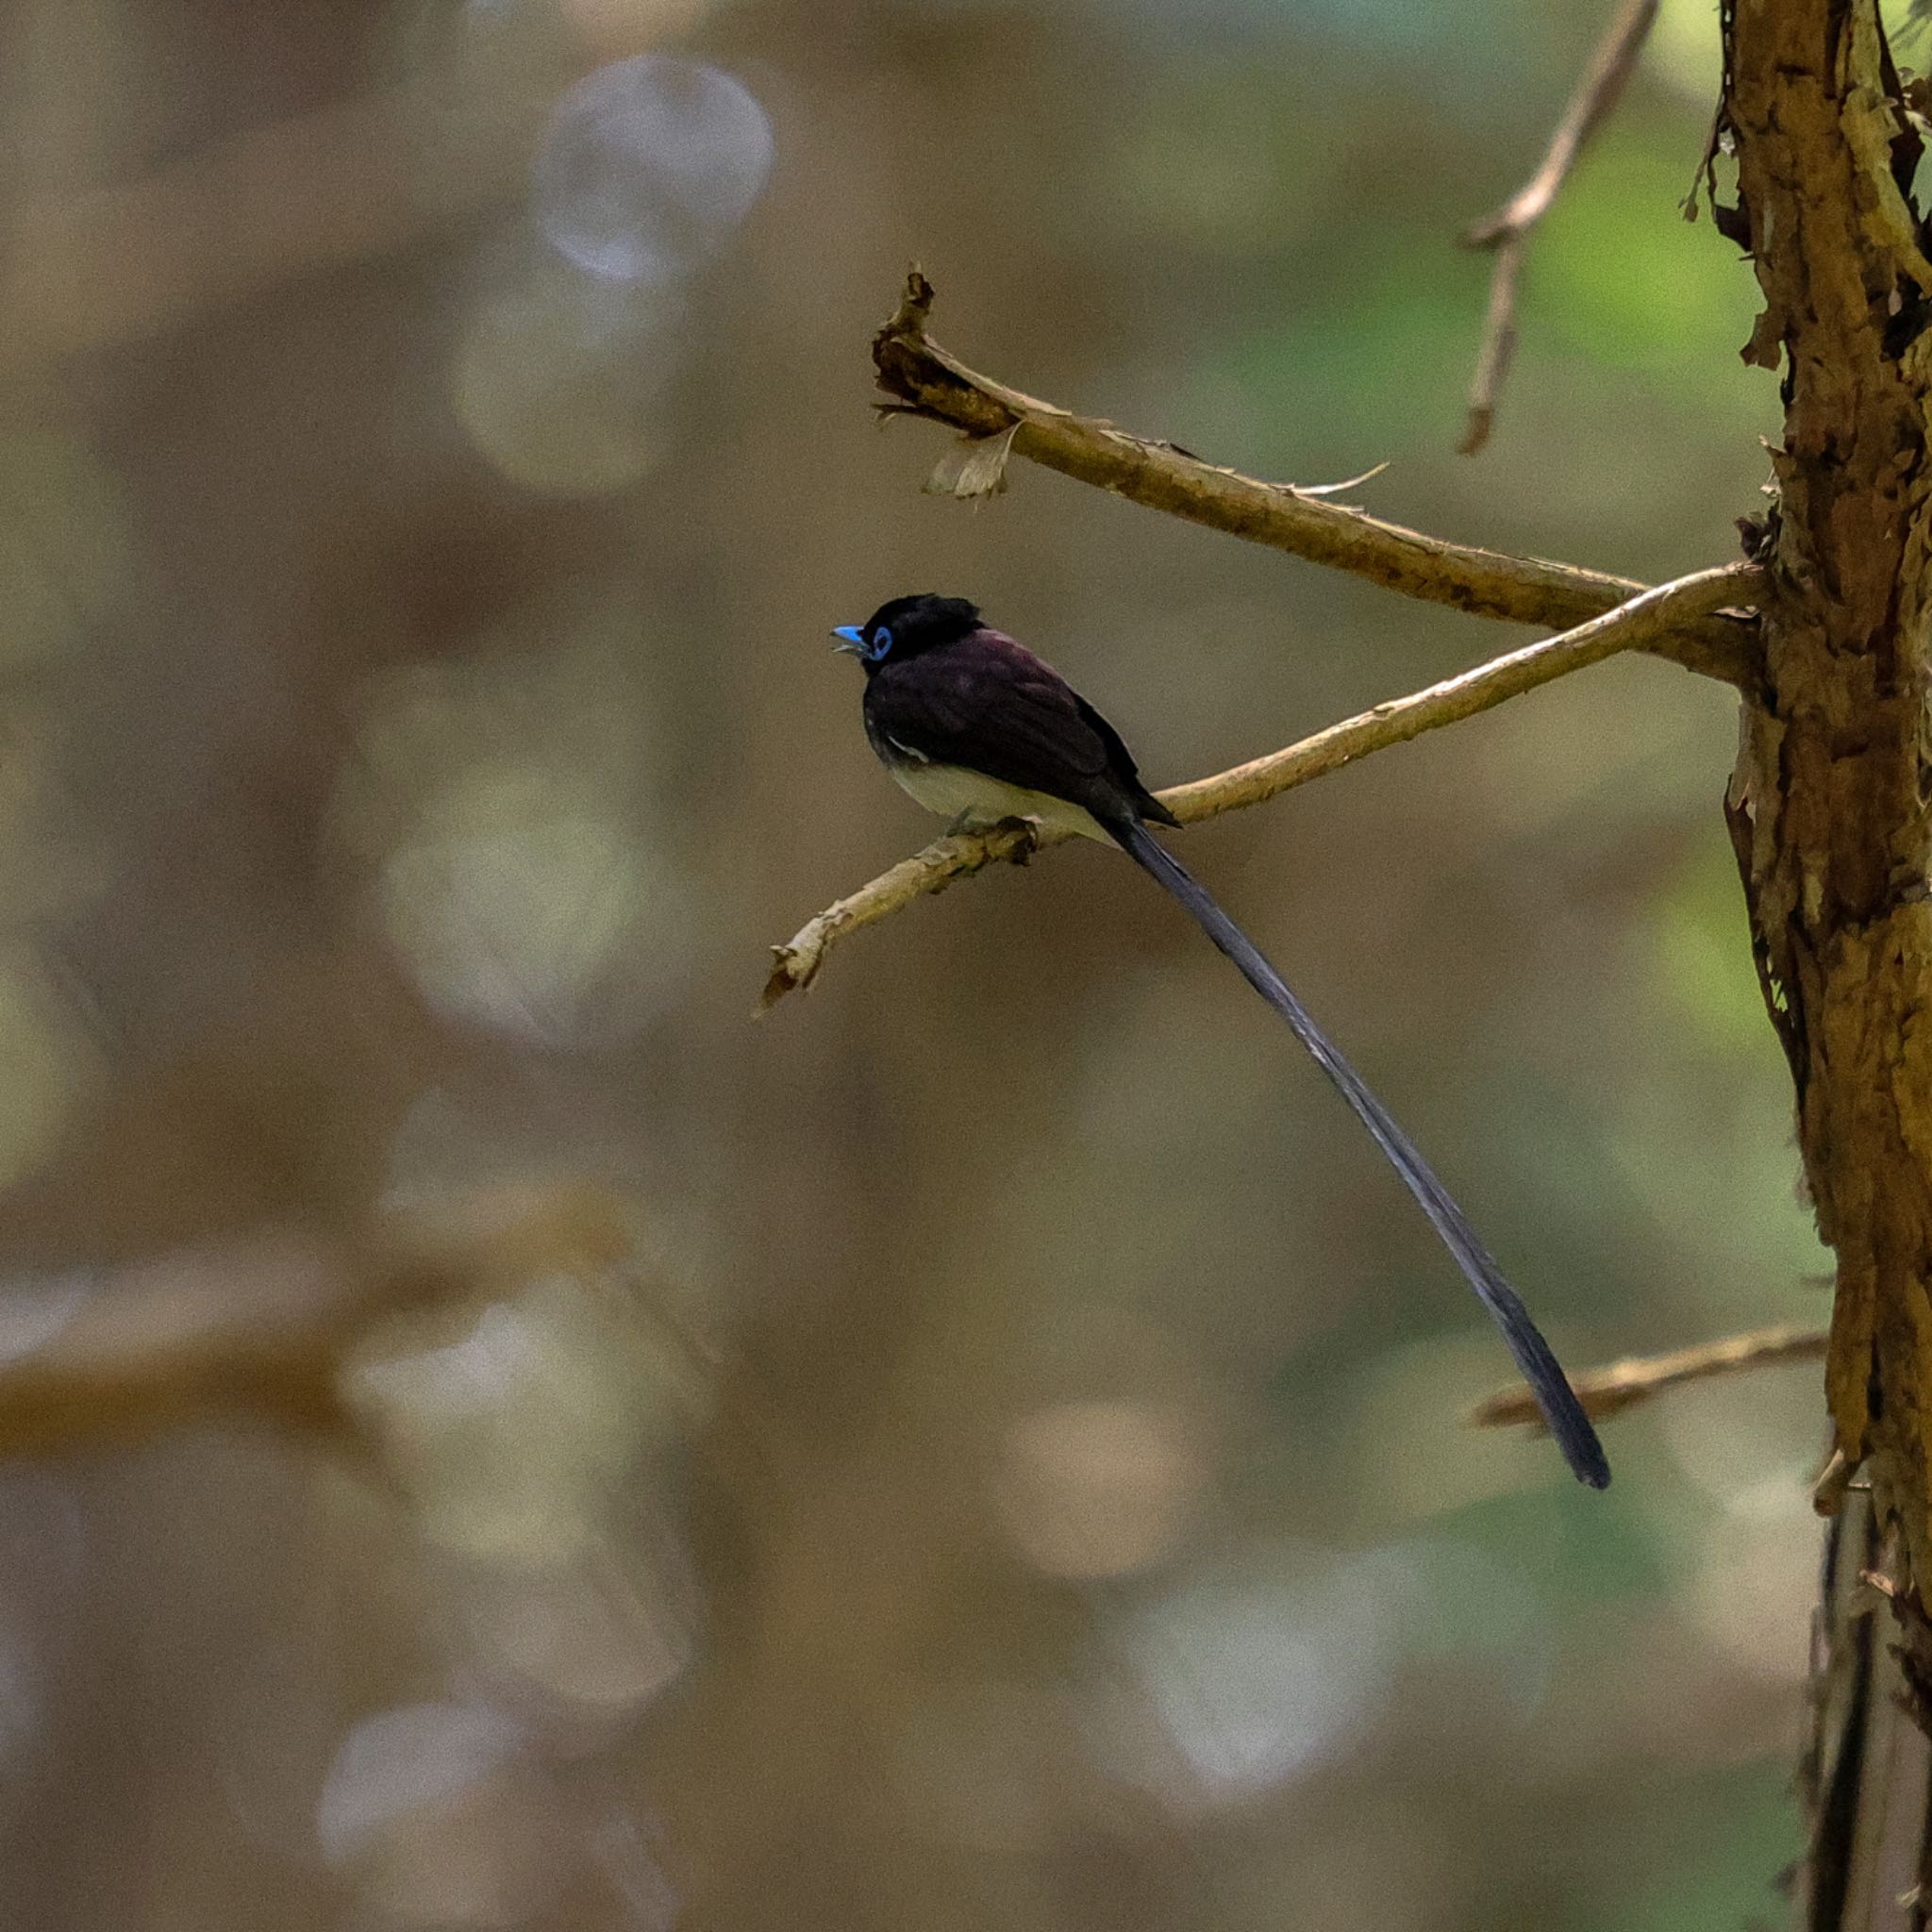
x: 1569, y: 1424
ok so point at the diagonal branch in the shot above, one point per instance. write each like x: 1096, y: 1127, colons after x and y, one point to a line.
x: 1623, y: 1385
x: 1633, y: 625
x: 1507, y: 230
x: 340, y: 185
x: 927, y: 381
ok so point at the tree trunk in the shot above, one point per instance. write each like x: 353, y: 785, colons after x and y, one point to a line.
x: 1829, y: 808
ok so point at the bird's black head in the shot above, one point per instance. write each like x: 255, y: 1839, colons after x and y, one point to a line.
x: 907, y: 625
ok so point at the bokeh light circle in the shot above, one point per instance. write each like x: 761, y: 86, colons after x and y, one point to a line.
x: 648, y: 166
x: 557, y: 382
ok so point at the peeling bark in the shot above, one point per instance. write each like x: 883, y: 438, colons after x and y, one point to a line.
x: 1829, y: 809
x: 1829, y: 799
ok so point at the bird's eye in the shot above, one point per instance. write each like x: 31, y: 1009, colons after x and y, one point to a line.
x: 881, y: 641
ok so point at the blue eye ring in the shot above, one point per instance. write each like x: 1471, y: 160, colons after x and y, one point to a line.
x: 881, y: 641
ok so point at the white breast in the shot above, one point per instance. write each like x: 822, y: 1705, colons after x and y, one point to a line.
x: 953, y: 792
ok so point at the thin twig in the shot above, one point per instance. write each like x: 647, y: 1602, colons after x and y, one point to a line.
x: 1499, y: 346
x: 1507, y: 230
x: 1704, y: 181
x: 924, y: 379
x: 1631, y: 626
x: 1623, y: 1384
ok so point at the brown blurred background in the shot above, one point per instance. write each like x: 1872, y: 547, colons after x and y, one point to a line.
x: 1018, y: 1476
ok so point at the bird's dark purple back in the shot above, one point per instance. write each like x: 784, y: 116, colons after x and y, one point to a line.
x: 987, y: 703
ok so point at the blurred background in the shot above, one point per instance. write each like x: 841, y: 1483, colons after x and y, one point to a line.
x: 500, y: 1439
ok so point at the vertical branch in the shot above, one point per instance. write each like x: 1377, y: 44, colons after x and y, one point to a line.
x: 1829, y: 814
x: 1507, y: 230
x: 1867, y: 1768
x: 1832, y: 816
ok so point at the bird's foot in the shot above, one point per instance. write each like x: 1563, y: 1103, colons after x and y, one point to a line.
x: 1024, y: 834
x: 1021, y: 833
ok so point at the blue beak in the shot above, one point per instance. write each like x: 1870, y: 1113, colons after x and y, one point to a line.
x: 849, y: 633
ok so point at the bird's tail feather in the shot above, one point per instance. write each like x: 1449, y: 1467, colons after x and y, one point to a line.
x: 1564, y: 1414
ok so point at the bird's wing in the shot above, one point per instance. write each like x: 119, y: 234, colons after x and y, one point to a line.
x: 987, y: 704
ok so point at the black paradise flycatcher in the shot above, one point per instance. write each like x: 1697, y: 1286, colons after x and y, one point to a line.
x: 978, y: 729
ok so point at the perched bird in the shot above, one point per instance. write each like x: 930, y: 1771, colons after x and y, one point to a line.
x: 978, y: 729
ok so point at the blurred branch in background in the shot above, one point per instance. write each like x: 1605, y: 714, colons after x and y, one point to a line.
x: 1634, y: 625
x: 1507, y: 230
x: 366, y: 176
x: 1622, y: 1385
x: 264, y: 1326
x: 927, y: 381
